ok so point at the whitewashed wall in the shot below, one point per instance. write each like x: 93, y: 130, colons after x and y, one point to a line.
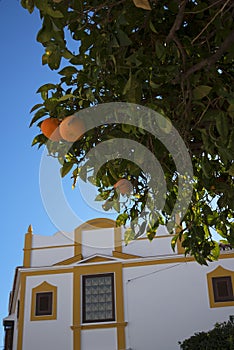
x: 98, y: 241
x: 42, y: 256
x: 158, y: 246
x: 99, y: 339
x: 50, y: 334
x: 165, y: 304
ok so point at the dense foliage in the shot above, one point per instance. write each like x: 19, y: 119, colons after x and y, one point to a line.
x: 221, y: 337
x: 174, y: 57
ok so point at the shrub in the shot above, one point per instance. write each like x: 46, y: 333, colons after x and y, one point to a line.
x: 221, y: 337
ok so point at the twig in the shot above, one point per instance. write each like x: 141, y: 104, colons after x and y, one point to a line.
x: 201, y: 116
x: 212, y: 19
x: 207, y: 62
x: 202, y: 10
x: 181, y: 49
x: 178, y: 21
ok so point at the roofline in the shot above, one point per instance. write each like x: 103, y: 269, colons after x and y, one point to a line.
x: 14, y: 288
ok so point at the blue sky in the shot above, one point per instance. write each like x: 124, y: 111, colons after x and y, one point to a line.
x: 21, y: 75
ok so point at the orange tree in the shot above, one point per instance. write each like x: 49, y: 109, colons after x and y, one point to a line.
x: 174, y: 57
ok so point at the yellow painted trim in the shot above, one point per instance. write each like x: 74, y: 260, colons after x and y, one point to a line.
x: 90, y: 225
x: 76, y: 311
x: 103, y: 325
x: 219, y: 272
x: 119, y: 255
x: 98, y: 223
x: 155, y: 237
x: 224, y: 255
x: 69, y: 261
x: 77, y: 326
x: 158, y: 261
x: 27, y: 247
x: 53, y: 246
x: 118, y: 239
x: 77, y: 238
x: 44, y: 287
x: 21, y: 312
x: 47, y: 272
x: 180, y: 248
x: 120, y: 308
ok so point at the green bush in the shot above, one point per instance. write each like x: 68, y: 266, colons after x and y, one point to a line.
x: 221, y: 337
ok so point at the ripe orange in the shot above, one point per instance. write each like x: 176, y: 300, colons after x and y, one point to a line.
x: 72, y: 128
x: 123, y: 186
x: 50, y: 128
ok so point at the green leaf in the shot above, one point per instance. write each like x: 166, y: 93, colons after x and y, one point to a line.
x: 128, y: 85
x: 44, y: 35
x: 107, y: 205
x: 28, y: 5
x: 46, y: 87
x: 174, y: 240
x: 160, y: 50
x: 38, y: 105
x: 98, y: 198
x: 51, y: 103
x: 90, y: 96
x: 215, y: 252
x: 67, y: 166
x: 152, y: 27
x: 222, y: 125
x: 201, y: 91
x: 67, y: 54
x: 54, y: 13
x: 231, y: 110
x: 128, y: 235
x: 68, y: 71
x: 54, y: 59
x: 38, y: 115
x: 121, y: 219
x: 66, y: 97
x: 116, y: 205
x: 123, y: 38
x: 44, y: 59
x: 231, y: 170
x: 41, y: 139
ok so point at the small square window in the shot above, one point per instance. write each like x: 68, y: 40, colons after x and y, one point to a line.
x: 222, y: 287
x: 44, y: 303
x: 98, y: 298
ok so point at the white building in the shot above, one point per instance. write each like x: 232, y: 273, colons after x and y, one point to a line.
x: 88, y: 291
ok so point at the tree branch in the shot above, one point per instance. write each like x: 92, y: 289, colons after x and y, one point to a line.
x: 178, y: 21
x: 181, y: 49
x: 212, y: 19
x: 208, y: 62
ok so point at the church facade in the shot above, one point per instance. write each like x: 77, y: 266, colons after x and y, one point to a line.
x: 87, y: 290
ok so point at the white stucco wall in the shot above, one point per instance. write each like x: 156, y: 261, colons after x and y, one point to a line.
x: 99, y: 339
x: 50, y: 256
x: 98, y: 241
x: 50, y: 334
x: 165, y: 304
x: 158, y: 246
x: 48, y: 250
x: 59, y: 238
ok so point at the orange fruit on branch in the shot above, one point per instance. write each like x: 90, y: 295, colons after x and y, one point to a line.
x: 123, y: 186
x: 50, y: 128
x: 72, y: 128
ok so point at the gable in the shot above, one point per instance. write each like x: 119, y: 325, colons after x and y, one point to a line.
x: 97, y: 258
